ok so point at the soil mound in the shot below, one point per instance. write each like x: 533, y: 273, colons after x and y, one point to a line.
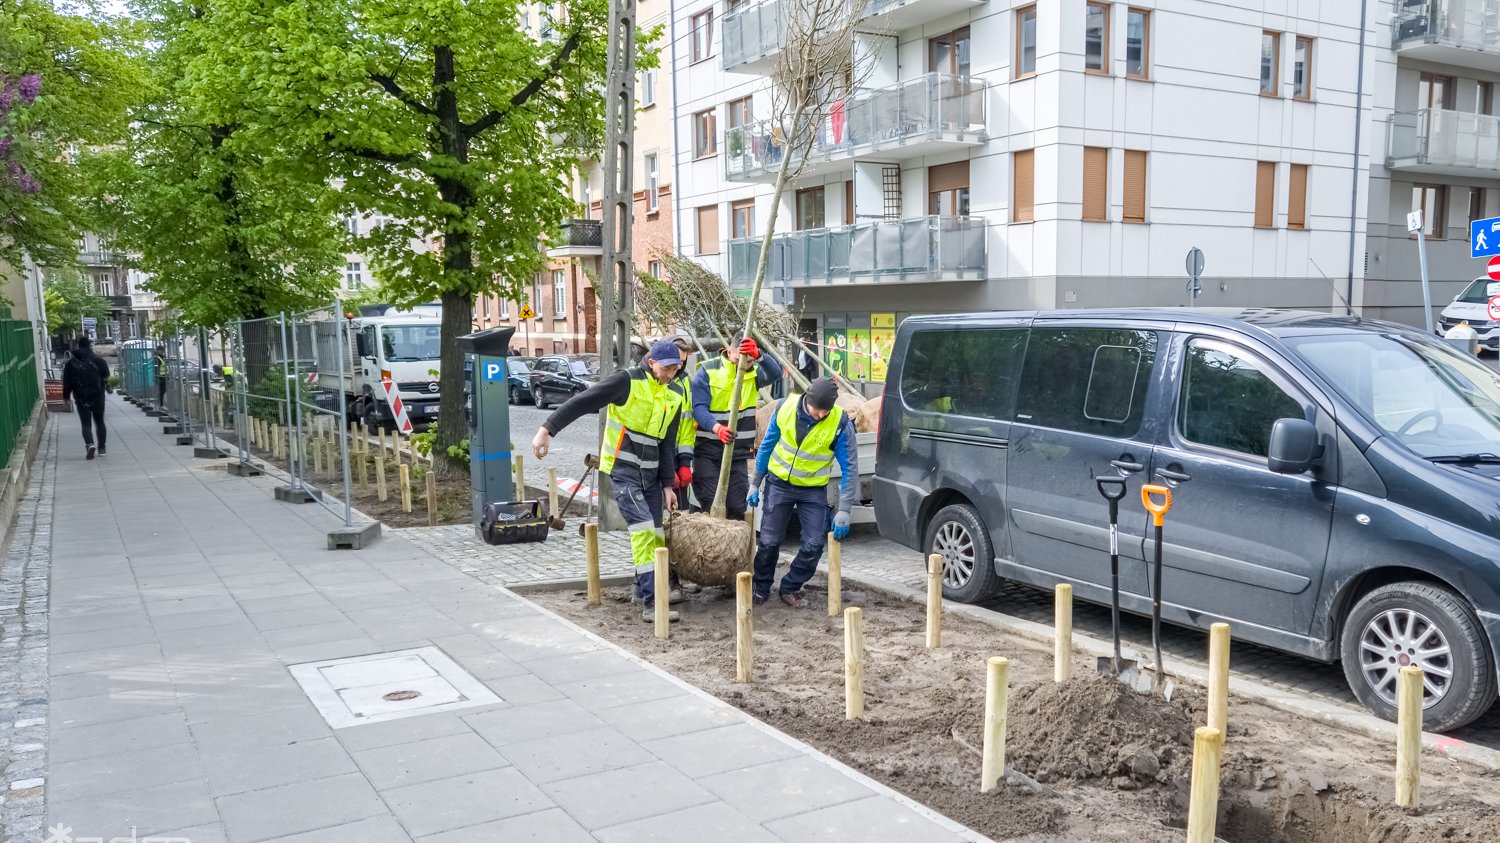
x: 1095, y: 728
x: 708, y: 550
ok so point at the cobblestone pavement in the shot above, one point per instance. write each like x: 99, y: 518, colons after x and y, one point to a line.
x: 560, y: 557
x: 23, y: 654
x: 566, y: 452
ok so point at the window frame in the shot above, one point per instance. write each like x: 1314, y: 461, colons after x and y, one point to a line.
x: 736, y: 108
x: 503, y: 308
x: 651, y: 163
x: 1270, y: 223
x: 957, y: 68
x: 1084, y: 198
x: 1476, y: 214
x: 1307, y: 70
x: 1145, y: 159
x: 821, y: 194
x: 707, y: 119
x: 1275, y: 82
x: 648, y: 88
x: 1263, y: 364
x: 701, y: 39
x: 713, y: 239
x: 1103, y: 69
x: 1020, y: 14
x: 654, y: 269
x: 1145, y: 14
x: 354, y: 275
x: 735, y: 207
x: 559, y: 294
x: 1292, y: 221
x: 1440, y: 196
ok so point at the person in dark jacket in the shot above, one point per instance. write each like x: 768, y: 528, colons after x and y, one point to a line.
x: 85, y: 380
x: 713, y: 387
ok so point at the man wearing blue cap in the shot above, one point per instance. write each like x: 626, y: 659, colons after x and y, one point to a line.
x: 638, y: 451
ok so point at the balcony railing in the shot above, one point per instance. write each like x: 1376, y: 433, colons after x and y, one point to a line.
x: 101, y: 258
x: 1465, y: 24
x: 752, y: 32
x: 578, y: 238
x: 927, y: 109
x: 887, y: 251
x: 1435, y: 140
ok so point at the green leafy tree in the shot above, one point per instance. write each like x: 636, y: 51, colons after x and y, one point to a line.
x: 66, y: 82
x: 69, y: 300
x: 453, y: 120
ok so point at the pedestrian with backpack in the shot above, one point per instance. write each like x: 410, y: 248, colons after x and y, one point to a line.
x: 85, y: 380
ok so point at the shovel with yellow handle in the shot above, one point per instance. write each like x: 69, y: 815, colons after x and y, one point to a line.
x: 1158, y: 509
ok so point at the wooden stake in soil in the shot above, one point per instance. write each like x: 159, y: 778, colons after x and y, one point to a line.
x: 835, y: 576
x: 1218, y: 678
x: 431, y: 499
x: 329, y: 457
x: 934, y: 601
x: 743, y: 631
x: 591, y: 554
x: 1062, y: 636
x: 1203, y: 797
x: 317, y: 449
x: 363, y: 467
x: 380, y: 492
x: 552, y: 492
x: 663, y: 589
x: 276, y: 441
x: 405, y: 487
x: 1409, y: 737
x: 996, y: 697
x: 381, y: 433
x: 520, y: 478
x: 854, y: 664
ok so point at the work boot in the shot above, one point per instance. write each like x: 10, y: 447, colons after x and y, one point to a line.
x: 795, y: 599
x: 674, y: 594
x: 648, y: 614
x: 758, y: 599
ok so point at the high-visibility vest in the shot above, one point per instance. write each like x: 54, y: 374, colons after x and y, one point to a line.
x: 720, y: 389
x: 806, y: 462
x: 687, y: 427
x: 633, y: 431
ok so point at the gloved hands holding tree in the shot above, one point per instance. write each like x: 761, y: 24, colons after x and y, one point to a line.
x: 684, y: 477
x: 749, y: 348
x: 841, y: 525
x: 752, y: 500
x: 724, y: 433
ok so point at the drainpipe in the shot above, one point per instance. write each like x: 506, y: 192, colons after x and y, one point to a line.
x: 1359, y: 102
x: 676, y: 167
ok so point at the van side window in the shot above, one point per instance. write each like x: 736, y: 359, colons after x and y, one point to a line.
x: 1087, y: 380
x: 964, y: 371
x: 1228, y: 401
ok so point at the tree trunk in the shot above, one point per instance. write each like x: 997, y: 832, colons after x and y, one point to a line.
x: 458, y: 266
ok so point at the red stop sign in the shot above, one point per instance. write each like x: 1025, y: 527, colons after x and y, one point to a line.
x: 1493, y: 268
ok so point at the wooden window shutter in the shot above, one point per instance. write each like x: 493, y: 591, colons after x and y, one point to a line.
x: 1024, y: 184
x: 708, y: 230
x: 1135, y: 185
x: 1265, y: 194
x: 947, y: 177
x: 1296, y: 197
x: 1095, y: 183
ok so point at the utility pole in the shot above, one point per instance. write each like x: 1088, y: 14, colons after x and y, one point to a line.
x: 617, y: 302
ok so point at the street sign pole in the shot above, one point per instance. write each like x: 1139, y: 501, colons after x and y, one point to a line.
x: 1414, y: 223
x: 1195, y: 265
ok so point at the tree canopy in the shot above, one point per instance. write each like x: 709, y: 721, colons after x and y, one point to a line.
x: 69, y: 300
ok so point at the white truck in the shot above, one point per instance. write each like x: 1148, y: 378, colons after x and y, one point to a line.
x: 402, y: 346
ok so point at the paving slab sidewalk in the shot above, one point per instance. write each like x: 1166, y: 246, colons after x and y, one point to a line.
x: 180, y: 596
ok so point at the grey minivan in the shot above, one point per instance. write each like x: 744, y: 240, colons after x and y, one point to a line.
x: 1336, y: 481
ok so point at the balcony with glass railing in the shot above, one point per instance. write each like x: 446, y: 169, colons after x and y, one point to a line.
x: 1442, y: 142
x: 915, y: 250
x: 921, y: 116
x: 753, y: 34
x: 1461, y: 32
x: 896, y: 15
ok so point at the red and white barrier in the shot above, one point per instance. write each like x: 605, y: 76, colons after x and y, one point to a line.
x: 398, y: 407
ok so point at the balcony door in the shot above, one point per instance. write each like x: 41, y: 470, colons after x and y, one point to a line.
x: 1437, y: 96
x: 810, y: 209
x: 949, y: 53
x: 948, y: 190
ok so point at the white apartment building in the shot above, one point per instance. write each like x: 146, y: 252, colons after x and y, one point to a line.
x: 1068, y: 153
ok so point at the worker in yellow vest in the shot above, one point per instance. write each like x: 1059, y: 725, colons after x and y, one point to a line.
x: 637, y: 452
x: 808, y: 433
x: 713, y: 386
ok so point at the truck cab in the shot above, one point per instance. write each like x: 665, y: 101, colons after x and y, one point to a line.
x: 402, y: 348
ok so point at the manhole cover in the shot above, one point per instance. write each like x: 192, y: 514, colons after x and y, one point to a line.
x: 401, y: 696
x: 386, y: 686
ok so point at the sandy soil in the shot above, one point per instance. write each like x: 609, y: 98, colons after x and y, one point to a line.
x: 1100, y: 762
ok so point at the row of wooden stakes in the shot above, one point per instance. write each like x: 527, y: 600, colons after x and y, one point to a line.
x: 1208, y: 740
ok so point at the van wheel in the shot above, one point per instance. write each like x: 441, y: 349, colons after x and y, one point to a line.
x: 1431, y: 627
x: 959, y: 536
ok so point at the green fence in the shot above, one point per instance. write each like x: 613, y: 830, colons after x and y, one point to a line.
x: 18, y: 394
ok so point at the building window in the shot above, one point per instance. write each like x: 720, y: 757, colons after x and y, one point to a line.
x: 1265, y: 194
x: 1135, y: 186
x: 1296, y: 197
x: 849, y: 202
x: 810, y: 208
x: 588, y: 195
x: 703, y: 35
x: 1023, y: 186
x: 1025, y: 42
x: 354, y: 275
x: 949, y: 53
x: 948, y: 190
x: 1270, y: 61
x: 654, y: 269
x: 742, y: 218
x: 1476, y: 204
x: 737, y: 113
x: 1096, y: 38
x: 1302, y: 58
x: 1484, y: 98
x: 705, y: 134
x: 1432, y: 201
x: 1434, y: 91
x: 504, y: 308
x: 351, y: 224
x: 653, y: 184
x: 1137, y: 43
x: 1095, y: 183
x: 648, y: 87
x: 559, y: 294
x: 708, y: 230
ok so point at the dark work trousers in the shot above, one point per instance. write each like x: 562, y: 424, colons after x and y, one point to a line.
x: 780, y: 500
x: 161, y: 392
x: 91, y: 416
x: 640, y: 505
x: 706, y: 481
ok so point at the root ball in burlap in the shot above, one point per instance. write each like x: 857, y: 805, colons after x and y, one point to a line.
x: 708, y: 550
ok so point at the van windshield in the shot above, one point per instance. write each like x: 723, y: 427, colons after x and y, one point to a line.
x: 1476, y: 293
x: 1435, y: 401
x: 405, y: 343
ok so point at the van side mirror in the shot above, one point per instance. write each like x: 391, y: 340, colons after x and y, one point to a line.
x: 361, y: 347
x: 1293, y: 446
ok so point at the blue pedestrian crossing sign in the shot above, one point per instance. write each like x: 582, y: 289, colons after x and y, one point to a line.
x: 1484, y: 238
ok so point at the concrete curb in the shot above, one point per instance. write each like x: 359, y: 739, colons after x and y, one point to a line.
x: 1291, y: 702
x: 15, y: 476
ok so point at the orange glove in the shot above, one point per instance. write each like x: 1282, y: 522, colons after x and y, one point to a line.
x: 724, y: 433
x: 684, y: 477
x: 750, y: 349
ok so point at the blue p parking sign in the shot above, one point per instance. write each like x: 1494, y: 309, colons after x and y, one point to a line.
x: 494, y: 370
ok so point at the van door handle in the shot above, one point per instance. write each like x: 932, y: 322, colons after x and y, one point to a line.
x: 1175, y: 476
x: 1126, y: 465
